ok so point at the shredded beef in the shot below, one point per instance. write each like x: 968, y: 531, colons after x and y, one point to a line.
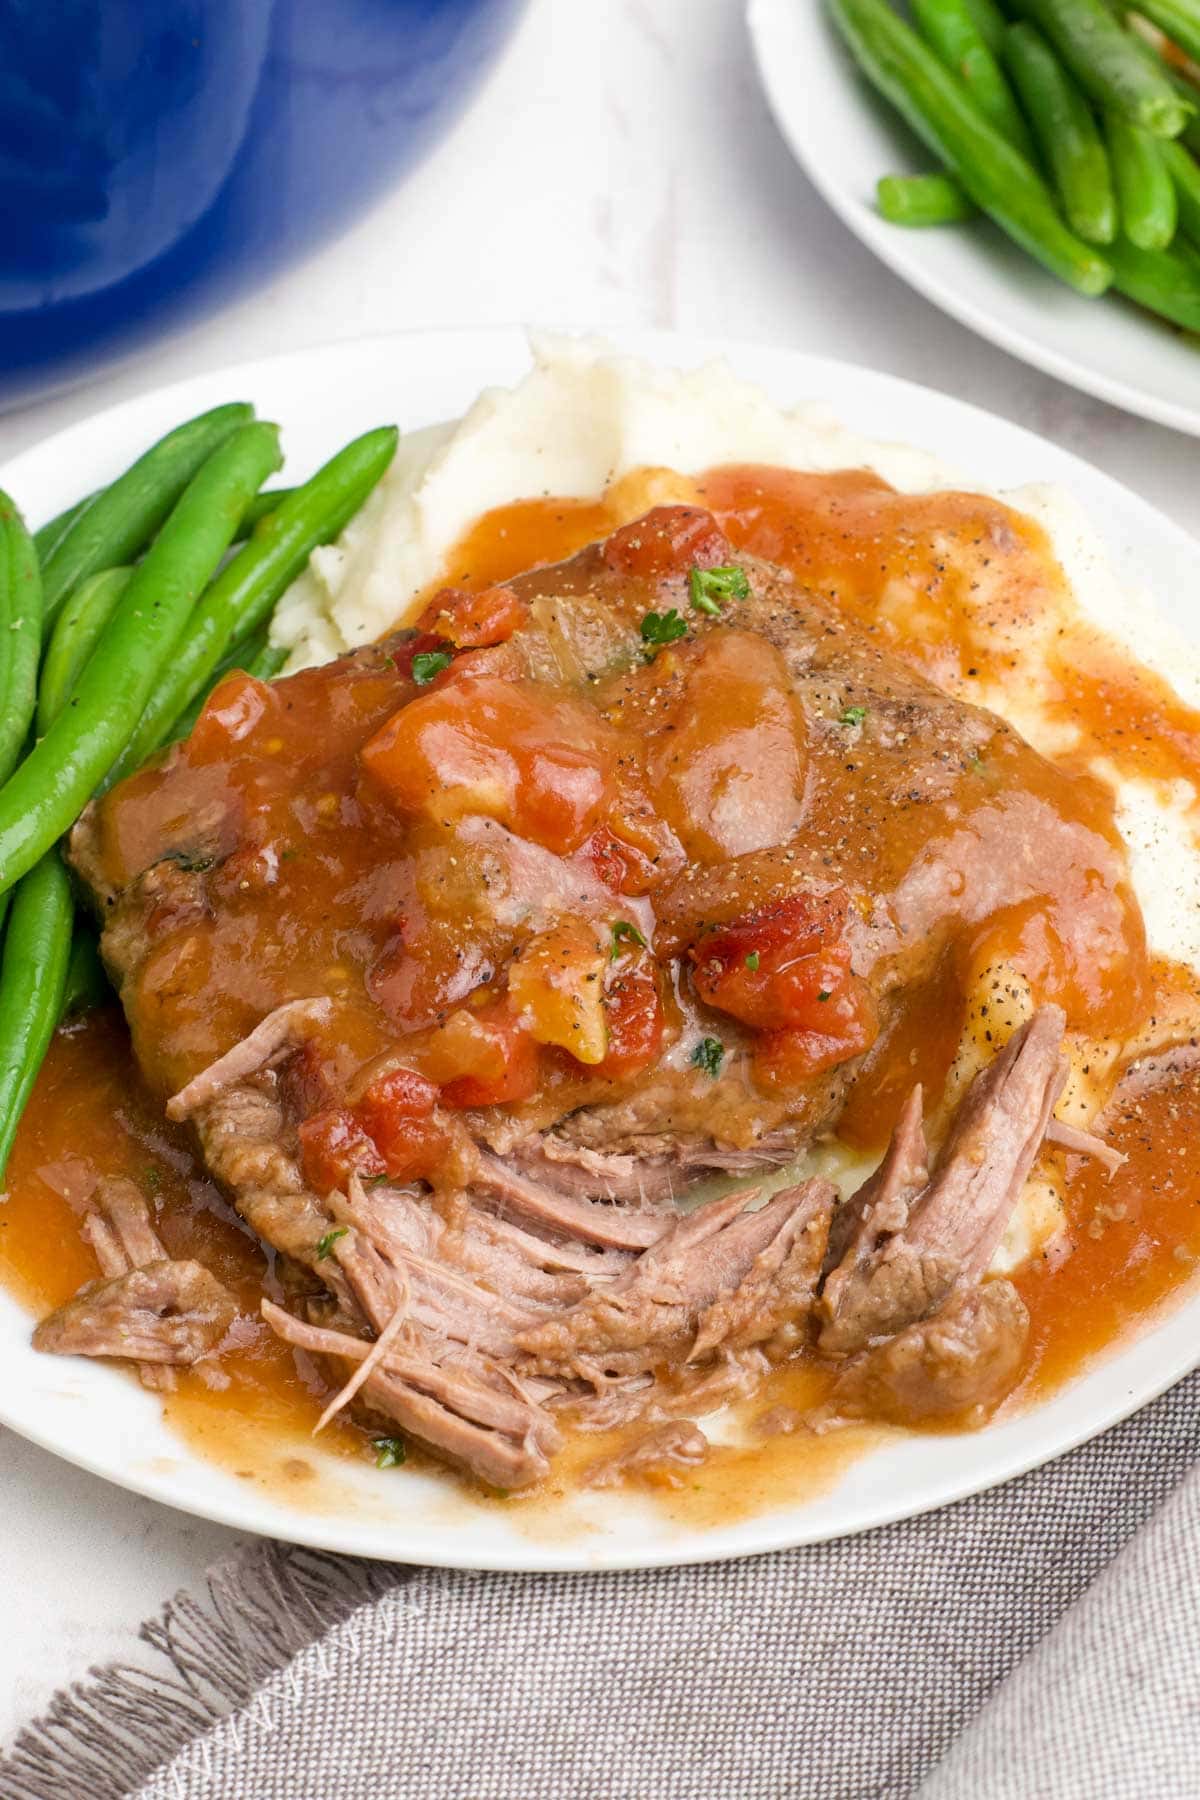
x: 166, y: 1312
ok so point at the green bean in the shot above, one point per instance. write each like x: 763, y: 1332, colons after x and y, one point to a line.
x: 238, y: 656
x: 76, y: 632
x: 120, y: 521
x: 45, y: 975
x: 1145, y: 191
x: 245, y: 592
x: 921, y: 200
x: 1067, y: 134
x: 20, y: 633
x: 33, y: 976
x: 49, y: 789
x: 1178, y: 19
x: 1165, y: 281
x: 261, y: 507
x: 262, y: 504
x: 256, y: 656
x: 941, y: 112
x: 35, y: 989
x: 266, y: 662
x: 949, y: 28
x: 1185, y: 173
x: 990, y: 23
x: 86, y: 984
x: 1190, y: 135
x: 54, y: 530
x: 1109, y: 64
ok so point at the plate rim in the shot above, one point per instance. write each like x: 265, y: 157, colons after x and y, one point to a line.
x: 816, y: 377
x: 886, y: 243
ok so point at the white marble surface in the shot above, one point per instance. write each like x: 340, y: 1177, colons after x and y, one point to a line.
x: 619, y: 168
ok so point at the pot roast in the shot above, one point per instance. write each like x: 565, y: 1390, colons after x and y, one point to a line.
x: 503, y: 970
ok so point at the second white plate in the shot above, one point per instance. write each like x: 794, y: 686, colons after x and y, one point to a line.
x: 845, y: 136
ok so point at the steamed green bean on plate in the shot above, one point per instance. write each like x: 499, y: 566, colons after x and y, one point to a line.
x: 117, y: 617
x: 1073, y: 125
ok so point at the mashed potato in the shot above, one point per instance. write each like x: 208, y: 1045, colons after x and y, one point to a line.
x: 583, y: 418
x: 580, y: 420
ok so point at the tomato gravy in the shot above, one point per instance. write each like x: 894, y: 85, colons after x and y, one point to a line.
x: 947, y: 582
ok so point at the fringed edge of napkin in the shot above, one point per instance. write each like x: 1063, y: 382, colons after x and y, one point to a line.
x: 105, y: 1736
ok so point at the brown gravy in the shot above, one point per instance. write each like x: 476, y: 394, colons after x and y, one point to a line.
x: 910, y: 568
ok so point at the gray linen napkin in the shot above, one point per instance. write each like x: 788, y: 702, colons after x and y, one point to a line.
x: 843, y: 1671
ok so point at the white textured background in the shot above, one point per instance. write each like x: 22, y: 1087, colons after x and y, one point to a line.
x: 620, y: 168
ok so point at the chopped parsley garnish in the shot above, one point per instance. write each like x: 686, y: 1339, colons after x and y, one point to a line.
x: 325, y: 1247
x: 975, y: 764
x: 708, y: 587
x: 624, y: 932
x: 663, y: 628
x: 428, y: 664
x: 377, y: 1180
x: 708, y: 1055
x: 853, y: 715
x: 752, y: 962
x: 825, y: 994
x: 152, y: 1180
x: 389, y: 1452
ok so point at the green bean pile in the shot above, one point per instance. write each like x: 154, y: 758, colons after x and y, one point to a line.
x: 1071, y: 123
x: 117, y: 619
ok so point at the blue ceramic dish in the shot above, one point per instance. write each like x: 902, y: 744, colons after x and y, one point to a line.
x: 157, y: 157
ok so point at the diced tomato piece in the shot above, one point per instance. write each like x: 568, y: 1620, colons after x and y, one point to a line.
x: 787, y: 1059
x: 605, y: 853
x: 409, y: 1147
x: 529, y: 756
x: 397, y: 1113
x: 499, y: 1061
x: 634, y: 1012
x: 401, y: 1093
x: 668, y: 541
x: 785, y: 971
x: 622, y: 866
x: 770, y: 967
x: 333, y: 1145
x: 474, y: 621
x: 616, y: 864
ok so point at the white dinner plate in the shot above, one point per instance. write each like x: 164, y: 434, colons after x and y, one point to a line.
x: 97, y: 1417
x: 845, y: 135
